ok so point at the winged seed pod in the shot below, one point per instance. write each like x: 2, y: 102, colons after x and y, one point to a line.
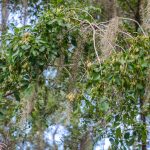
x: 70, y: 96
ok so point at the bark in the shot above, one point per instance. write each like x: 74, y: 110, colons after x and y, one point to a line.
x: 39, y: 140
x: 145, y: 12
x: 143, y: 119
x: 110, y: 8
x: 86, y: 142
x: 138, y: 15
x: 144, y: 16
x: 25, y: 12
x: 4, y: 15
x: 54, y: 143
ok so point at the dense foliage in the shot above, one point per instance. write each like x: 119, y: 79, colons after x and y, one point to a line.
x: 67, y: 68
x: 117, y: 87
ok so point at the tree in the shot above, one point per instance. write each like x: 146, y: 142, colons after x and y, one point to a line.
x: 70, y: 68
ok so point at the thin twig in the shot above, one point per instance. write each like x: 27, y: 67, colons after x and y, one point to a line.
x: 135, y: 22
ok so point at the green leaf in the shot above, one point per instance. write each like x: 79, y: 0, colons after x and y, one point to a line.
x: 25, y: 47
x: 131, y: 142
x: 34, y: 53
x: 59, y: 1
x: 111, y: 140
x: 144, y: 135
x: 127, y: 135
x: 1, y: 116
x: 139, y: 86
x: 145, y: 65
x: 117, y: 118
x: 96, y: 76
x: 118, y: 132
x: 42, y: 49
x: 17, y: 96
x: 104, y: 106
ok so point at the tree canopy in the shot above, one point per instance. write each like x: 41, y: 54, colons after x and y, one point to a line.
x: 78, y: 66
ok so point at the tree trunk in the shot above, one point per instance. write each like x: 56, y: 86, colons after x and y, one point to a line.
x: 110, y: 8
x: 145, y: 12
x: 4, y: 15
x: 138, y: 15
x: 55, y: 147
x: 144, y: 20
x: 86, y: 142
x: 143, y: 119
x: 25, y: 12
